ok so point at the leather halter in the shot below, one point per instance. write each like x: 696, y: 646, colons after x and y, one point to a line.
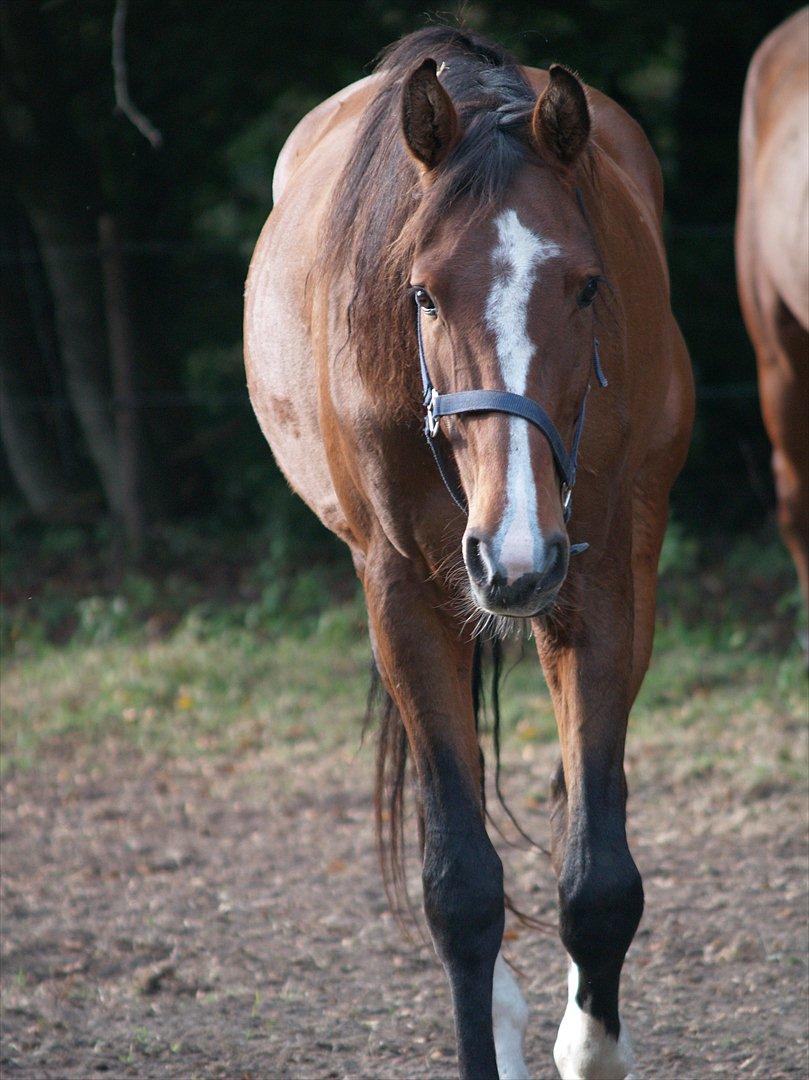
x: 479, y: 401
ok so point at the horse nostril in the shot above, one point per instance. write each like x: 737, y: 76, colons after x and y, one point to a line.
x: 519, y: 590
x: 474, y: 560
x: 555, y: 564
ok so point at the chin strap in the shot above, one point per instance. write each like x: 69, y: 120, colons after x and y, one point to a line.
x: 479, y: 401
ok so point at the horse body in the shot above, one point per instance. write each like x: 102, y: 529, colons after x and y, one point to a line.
x: 507, y: 278
x: 772, y: 261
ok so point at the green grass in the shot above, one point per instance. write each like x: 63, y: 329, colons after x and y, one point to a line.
x: 190, y: 692
x: 230, y: 680
x: 735, y: 708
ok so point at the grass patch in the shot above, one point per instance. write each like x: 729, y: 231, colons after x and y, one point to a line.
x: 276, y: 667
x: 225, y: 692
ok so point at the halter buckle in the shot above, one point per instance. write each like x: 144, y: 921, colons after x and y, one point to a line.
x: 567, y: 496
x: 432, y: 421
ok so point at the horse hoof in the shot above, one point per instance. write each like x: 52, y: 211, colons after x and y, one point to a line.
x: 585, y: 1051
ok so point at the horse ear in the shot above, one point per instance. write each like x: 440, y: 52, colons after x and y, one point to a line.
x: 561, y: 120
x: 429, y: 120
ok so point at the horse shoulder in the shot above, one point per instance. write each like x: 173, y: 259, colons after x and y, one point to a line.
x: 773, y: 222
x: 780, y: 57
x: 775, y: 102
x: 306, y: 134
x: 281, y: 358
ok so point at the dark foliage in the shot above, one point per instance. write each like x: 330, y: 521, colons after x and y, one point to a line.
x: 225, y: 87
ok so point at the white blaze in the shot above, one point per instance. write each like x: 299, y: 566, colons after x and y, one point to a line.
x: 583, y: 1048
x: 518, y: 544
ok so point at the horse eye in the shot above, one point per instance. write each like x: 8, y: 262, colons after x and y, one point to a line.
x: 425, y: 302
x: 588, y: 293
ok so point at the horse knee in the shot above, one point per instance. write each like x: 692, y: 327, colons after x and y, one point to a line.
x: 463, y: 898
x: 600, y: 907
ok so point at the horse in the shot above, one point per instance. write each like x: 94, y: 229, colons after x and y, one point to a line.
x: 459, y: 248
x: 772, y: 262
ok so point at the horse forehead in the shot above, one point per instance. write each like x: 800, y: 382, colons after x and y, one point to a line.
x: 518, y: 248
x: 518, y: 254
x: 496, y: 263
x: 508, y: 245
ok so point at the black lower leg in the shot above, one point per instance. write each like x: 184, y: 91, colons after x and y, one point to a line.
x: 463, y: 901
x: 600, y: 893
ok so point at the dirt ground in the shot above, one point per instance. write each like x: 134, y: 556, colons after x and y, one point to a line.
x: 226, y: 919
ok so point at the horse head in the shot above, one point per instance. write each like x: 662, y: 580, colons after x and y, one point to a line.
x: 505, y: 287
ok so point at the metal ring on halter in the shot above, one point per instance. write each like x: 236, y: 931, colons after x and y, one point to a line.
x: 567, y: 495
x: 432, y: 420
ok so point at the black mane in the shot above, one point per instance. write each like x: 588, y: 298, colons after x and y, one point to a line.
x: 492, y: 98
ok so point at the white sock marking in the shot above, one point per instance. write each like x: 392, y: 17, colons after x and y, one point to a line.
x: 583, y: 1049
x: 509, y: 1018
x: 518, y: 544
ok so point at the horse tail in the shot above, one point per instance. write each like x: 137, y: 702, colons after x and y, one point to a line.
x: 389, y: 796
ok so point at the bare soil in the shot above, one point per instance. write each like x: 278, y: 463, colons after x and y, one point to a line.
x: 226, y: 919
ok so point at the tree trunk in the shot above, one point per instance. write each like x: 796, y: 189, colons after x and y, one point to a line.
x: 27, y: 425
x: 73, y: 276
x: 57, y: 183
x: 122, y: 355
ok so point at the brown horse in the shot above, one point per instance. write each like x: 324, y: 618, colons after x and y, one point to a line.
x: 523, y: 215
x: 772, y: 262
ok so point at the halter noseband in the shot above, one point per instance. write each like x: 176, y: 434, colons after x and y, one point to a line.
x: 478, y: 401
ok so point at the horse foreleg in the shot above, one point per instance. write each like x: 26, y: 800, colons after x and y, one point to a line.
x: 589, y: 672
x: 428, y: 674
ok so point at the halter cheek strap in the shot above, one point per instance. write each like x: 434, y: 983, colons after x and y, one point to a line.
x: 479, y: 401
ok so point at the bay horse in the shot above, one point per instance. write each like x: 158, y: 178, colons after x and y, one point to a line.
x: 772, y: 262
x: 465, y: 238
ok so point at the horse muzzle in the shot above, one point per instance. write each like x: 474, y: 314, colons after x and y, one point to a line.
x: 522, y: 590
